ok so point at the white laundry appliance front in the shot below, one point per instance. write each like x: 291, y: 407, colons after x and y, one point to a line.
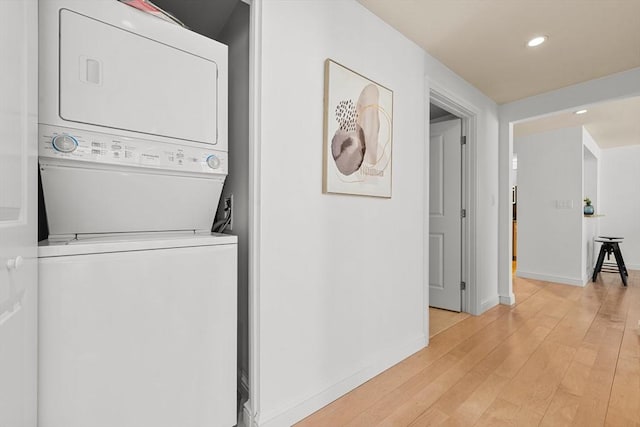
x: 138, y: 302
x: 133, y: 120
x: 138, y: 331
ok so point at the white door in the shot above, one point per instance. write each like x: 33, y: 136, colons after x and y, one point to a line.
x: 18, y: 212
x: 445, y: 207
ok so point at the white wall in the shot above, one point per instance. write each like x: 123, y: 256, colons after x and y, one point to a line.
x: 620, y: 199
x: 549, y: 236
x: 340, y: 276
x: 590, y: 178
x: 339, y: 280
x: 615, y: 86
x: 590, y: 227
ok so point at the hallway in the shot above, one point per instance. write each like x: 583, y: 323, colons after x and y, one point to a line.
x: 562, y: 355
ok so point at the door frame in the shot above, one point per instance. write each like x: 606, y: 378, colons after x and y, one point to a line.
x: 468, y: 113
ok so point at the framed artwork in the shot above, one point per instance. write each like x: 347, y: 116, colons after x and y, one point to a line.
x: 358, y: 130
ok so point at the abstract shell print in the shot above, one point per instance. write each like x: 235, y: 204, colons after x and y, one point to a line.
x: 358, y: 134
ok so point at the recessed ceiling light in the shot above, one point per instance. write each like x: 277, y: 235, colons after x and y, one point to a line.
x: 537, y: 41
x: 580, y: 111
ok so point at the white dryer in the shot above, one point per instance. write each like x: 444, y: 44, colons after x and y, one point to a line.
x: 133, y: 120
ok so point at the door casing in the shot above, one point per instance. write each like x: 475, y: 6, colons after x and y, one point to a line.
x: 468, y: 113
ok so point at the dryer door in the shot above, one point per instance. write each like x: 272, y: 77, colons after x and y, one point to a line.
x: 116, y: 78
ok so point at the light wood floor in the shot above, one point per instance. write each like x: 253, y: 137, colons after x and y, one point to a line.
x: 440, y: 320
x: 563, y: 355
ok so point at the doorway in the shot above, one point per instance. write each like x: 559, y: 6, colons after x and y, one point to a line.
x: 446, y: 210
x: 453, y: 106
x: 449, y: 261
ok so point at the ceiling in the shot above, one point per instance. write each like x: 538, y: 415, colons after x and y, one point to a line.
x: 611, y: 124
x: 484, y: 42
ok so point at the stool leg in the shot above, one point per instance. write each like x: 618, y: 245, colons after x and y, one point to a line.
x: 620, y: 262
x: 599, y: 263
x: 624, y: 266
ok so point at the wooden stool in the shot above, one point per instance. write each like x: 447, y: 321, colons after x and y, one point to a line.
x: 610, y: 245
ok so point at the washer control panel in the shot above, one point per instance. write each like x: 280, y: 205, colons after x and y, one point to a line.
x: 62, y: 143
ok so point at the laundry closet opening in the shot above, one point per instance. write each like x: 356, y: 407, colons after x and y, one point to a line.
x: 226, y: 21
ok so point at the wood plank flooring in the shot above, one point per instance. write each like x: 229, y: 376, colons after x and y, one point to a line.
x: 440, y: 320
x: 562, y: 356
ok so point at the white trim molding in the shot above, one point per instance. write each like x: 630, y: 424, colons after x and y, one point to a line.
x: 487, y: 303
x: 468, y: 112
x: 251, y: 409
x: 507, y: 300
x: 549, y: 278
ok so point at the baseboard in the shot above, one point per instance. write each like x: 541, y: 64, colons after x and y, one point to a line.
x: 489, y: 303
x: 549, y: 278
x: 382, y: 362
x: 507, y: 300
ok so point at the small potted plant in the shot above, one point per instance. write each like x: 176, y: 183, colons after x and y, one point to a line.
x: 588, y: 208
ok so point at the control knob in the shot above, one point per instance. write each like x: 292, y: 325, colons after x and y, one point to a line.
x: 213, y: 161
x: 64, y: 143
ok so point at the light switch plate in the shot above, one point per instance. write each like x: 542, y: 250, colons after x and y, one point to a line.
x: 564, y: 204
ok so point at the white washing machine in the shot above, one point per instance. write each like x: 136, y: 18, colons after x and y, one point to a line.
x: 138, y: 331
x: 137, y: 311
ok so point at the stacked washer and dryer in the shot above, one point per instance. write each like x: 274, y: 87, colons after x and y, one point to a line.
x: 137, y: 317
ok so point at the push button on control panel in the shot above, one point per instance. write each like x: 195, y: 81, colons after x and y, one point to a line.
x: 64, y: 143
x: 213, y: 161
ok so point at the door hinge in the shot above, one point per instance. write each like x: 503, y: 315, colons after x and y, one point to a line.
x: 463, y: 213
x: 463, y: 140
x: 463, y: 286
